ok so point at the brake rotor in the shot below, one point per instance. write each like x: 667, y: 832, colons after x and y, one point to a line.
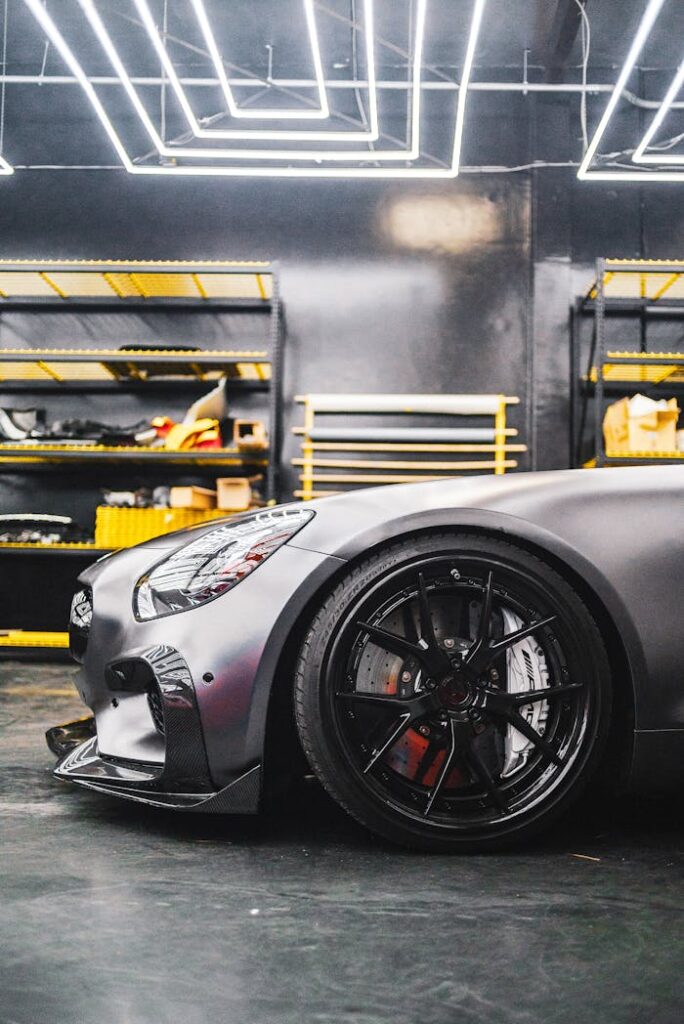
x: 419, y: 753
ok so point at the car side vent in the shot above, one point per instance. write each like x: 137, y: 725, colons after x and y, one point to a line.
x: 154, y: 702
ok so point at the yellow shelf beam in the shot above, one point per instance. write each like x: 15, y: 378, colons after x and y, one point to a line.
x: 396, y: 446
x: 404, y: 464
x: 201, y: 280
x: 646, y: 456
x: 399, y: 478
x: 85, y: 546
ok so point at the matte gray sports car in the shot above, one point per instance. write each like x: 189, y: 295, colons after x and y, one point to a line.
x: 460, y: 658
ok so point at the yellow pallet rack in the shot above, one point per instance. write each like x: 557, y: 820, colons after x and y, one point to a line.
x: 136, y: 286
x: 637, y: 290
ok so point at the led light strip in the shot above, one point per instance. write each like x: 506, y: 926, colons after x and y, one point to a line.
x: 280, y: 135
x: 640, y: 156
x: 5, y: 168
x: 42, y: 16
x: 254, y: 112
x: 585, y: 173
x: 195, y: 152
x: 473, y: 35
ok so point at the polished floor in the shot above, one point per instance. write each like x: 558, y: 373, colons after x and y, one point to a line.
x: 110, y: 914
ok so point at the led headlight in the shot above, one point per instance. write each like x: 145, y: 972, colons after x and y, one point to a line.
x: 206, y: 568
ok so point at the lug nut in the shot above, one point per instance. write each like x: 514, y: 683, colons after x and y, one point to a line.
x: 449, y: 642
x: 494, y: 675
x: 406, y: 677
x: 424, y: 730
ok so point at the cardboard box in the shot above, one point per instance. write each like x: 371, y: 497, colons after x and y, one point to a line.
x: 641, y: 424
x: 233, y: 493
x: 192, y: 497
x: 250, y: 435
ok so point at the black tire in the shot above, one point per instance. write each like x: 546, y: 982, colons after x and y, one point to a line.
x: 442, y: 696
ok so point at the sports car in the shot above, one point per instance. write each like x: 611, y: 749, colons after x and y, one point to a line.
x: 456, y: 661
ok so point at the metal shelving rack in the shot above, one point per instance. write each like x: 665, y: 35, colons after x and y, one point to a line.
x: 641, y: 291
x: 86, y: 286
x: 425, y: 453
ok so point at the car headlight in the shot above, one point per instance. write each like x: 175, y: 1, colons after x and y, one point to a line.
x: 208, y: 567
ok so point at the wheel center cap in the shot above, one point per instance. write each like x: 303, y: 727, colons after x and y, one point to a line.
x: 455, y: 692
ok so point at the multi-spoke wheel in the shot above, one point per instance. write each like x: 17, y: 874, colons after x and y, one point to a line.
x: 453, y: 691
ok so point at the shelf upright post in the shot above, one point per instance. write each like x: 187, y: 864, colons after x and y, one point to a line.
x: 276, y: 390
x: 584, y: 402
x: 643, y: 315
x: 307, y: 451
x: 600, y: 314
x: 500, y: 437
x: 574, y: 384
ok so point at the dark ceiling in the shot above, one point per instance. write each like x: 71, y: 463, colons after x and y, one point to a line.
x: 53, y: 122
x: 509, y: 28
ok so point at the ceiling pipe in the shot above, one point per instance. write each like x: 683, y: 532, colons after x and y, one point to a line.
x: 301, y: 83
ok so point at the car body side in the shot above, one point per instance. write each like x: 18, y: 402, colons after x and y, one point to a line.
x: 615, y: 534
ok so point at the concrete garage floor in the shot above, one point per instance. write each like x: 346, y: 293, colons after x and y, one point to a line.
x: 110, y: 914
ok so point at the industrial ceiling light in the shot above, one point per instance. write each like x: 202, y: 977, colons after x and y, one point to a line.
x: 253, y: 112
x: 195, y: 152
x: 640, y: 155
x: 473, y: 35
x: 62, y: 47
x: 5, y: 168
x: 585, y: 173
x: 277, y: 135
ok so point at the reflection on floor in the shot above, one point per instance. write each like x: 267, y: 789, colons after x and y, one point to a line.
x: 120, y: 915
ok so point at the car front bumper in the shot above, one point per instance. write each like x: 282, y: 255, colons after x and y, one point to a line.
x: 180, y: 703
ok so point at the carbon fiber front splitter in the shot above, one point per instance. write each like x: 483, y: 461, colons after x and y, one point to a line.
x: 84, y: 766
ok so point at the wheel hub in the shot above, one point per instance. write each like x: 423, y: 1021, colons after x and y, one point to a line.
x: 455, y: 693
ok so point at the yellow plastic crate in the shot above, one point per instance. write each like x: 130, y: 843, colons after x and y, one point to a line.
x: 124, y: 527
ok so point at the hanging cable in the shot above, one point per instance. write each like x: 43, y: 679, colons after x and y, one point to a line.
x: 586, y: 46
x: 162, y: 100
x: 4, y: 72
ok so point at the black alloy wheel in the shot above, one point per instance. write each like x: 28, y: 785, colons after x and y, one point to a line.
x: 453, y: 692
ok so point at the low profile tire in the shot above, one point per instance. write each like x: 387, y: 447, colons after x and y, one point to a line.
x: 453, y: 693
